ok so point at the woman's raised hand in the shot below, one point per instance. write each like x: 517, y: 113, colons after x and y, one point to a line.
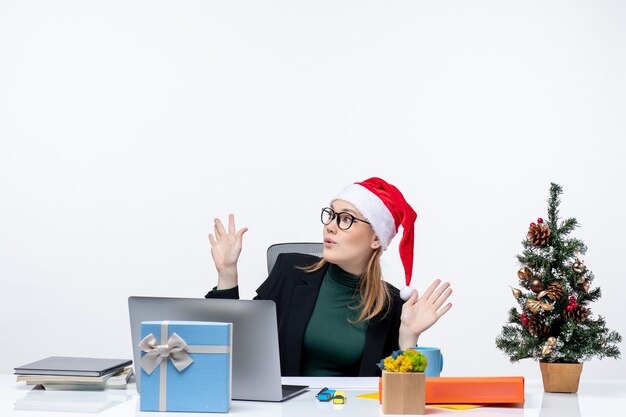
x: 420, y: 313
x: 225, y: 250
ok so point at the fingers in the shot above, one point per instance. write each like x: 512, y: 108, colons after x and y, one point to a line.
x: 431, y: 289
x: 442, y: 298
x: 437, y: 295
x: 231, y: 223
x: 435, y: 291
x: 219, y: 228
x: 241, y: 232
x: 444, y: 310
x: 212, y: 240
x: 440, y: 290
x: 219, y: 231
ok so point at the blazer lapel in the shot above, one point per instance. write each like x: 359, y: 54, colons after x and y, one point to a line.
x: 375, y: 339
x: 302, y: 304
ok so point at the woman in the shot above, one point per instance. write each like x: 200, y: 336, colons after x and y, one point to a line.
x: 336, y: 316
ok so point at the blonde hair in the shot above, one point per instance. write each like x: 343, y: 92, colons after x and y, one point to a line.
x: 374, y: 293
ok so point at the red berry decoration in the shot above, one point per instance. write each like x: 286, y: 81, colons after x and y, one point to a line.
x: 572, y: 300
x: 570, y: 307
x: 532, y: 224
x: 524, y: 319
x: 539, y: 220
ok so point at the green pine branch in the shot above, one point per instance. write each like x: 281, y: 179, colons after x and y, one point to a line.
x: 553, y: 204
x: 567, y: 227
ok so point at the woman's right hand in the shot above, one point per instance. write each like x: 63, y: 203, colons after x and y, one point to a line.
x: 225, y: 250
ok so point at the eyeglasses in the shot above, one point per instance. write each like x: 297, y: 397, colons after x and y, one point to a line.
x: 344, y: 219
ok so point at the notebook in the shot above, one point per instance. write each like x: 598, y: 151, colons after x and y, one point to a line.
x: 72, y: 366
x: 256, y: 362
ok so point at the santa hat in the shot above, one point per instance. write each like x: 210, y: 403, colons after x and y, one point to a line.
x: 384, y: 206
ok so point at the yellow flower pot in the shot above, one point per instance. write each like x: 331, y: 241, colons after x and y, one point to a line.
x: 403, y: 393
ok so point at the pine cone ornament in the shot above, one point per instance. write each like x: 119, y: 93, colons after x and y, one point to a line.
x: 554, y: 292
x: 538, y: 234
x: 578, y: 313
x: 538, y: 327
x: 579, y: 267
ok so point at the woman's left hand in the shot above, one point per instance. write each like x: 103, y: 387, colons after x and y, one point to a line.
x: 420, y: 313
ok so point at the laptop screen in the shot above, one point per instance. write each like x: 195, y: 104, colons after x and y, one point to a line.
x: 256, y: 361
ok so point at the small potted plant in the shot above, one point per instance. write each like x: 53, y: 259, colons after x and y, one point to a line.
x: 403, y: 385
x: 553, y: 322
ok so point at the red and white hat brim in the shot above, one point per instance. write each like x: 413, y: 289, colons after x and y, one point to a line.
x: 372, y: 209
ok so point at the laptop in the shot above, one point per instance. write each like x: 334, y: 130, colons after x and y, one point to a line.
x: 256, y: 360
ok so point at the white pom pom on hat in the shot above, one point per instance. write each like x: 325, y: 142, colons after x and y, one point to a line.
x: 406, y: 292
x: 384, y: 206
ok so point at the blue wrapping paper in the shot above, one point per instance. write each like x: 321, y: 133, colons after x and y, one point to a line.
x: 205, y: 384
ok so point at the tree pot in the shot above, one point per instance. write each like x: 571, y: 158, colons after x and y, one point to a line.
x: 560, y: 377
x: 403, y: 393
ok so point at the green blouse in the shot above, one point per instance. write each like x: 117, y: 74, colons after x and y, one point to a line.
x: 333, y: 343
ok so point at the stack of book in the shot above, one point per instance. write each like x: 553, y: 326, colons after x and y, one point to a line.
x: 72, y: 373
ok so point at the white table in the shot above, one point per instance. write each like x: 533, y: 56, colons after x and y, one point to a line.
x: 595, y: 398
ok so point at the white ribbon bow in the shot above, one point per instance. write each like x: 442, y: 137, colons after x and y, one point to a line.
x: 175, y: 349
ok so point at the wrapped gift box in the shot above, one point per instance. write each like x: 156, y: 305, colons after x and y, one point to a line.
x: 202, y: 349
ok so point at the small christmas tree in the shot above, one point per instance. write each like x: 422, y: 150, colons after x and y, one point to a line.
x: 554, y: 322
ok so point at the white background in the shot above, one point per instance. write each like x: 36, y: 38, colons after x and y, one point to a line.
x: 127, y: 126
